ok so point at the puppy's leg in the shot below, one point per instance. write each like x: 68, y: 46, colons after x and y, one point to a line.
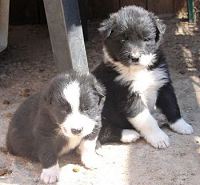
x: 110, y: 133
x: 51, y: 174
x: 167, y: 102
x: 88, y: 153
x: 49, y: 159
x: 149, y: 129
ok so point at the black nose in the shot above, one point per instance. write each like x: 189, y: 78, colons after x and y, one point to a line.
x: 133, y: 58
x: 76, y: 131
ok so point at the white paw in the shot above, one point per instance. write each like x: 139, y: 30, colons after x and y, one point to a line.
x: 181, y: 127
x: 129, y: 135
x: 91, y: 161
x: 157, y: 139
x: 50, y: 175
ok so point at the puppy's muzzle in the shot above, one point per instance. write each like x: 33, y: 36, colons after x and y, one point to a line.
x: 76, y: 131
x: 134, y: 57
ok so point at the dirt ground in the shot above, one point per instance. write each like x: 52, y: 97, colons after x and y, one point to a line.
x: 28, y: 64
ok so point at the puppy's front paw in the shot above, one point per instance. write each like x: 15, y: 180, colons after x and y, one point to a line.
x: 181, y: 127
x: 129, y: 135
x: 50, y: 175
x: 91, y: 161
x: 157, y: 139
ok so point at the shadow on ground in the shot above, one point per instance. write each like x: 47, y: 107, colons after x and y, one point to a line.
x: 27, y: 65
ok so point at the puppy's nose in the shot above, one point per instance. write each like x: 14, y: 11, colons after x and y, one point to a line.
x: 76, y: 131
x: 134, y: 58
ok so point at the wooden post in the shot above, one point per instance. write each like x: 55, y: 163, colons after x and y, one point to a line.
x: 66, y: 35
x: 4, y: 22
x: 190, y: 5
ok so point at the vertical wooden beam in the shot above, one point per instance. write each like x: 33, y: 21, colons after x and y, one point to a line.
x: 66, y: 35
x: 4, y: 22
x: 190, y: 5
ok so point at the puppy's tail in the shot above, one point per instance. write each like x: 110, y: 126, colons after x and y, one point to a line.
x: 111, y: 134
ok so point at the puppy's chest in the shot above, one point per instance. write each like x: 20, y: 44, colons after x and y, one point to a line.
x: 71, y: 144
x: 144, y: 82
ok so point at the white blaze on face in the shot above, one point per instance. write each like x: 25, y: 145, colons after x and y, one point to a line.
x: 72, y: 95
x: 76, y: 120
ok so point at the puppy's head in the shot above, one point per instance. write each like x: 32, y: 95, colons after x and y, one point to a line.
x: 75, y: 102
x: 131, y: 36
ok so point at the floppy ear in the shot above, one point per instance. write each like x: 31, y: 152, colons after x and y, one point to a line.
x: 99, y: 90
x: 47, y: 95
x: 160, y: 27
x: 106, y: 27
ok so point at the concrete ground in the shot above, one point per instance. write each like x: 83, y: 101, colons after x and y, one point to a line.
x: 27, y: 65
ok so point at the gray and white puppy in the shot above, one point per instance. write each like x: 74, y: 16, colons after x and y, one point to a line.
x: 63, y: 116
x: 137, y: 79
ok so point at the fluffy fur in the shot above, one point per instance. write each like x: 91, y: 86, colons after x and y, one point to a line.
x: 63, y: 116
x: 136, y: 78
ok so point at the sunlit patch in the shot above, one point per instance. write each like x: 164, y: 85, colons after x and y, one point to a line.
x: 197, y: 141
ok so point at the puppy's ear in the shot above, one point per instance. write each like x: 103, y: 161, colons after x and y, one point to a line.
x: 160, y: 27
x: 99, y: 90
x: 47, y: 96
x: 106, y: 27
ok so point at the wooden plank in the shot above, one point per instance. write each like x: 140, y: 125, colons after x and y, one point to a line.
x: 4, y: 21
x: 161, y: 6
x: 66, y: 35
x: 142, y: 3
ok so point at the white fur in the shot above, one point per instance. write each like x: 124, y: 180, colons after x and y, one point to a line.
x: 75, y: 120
x: 149, y: 129
x: 88, y: 154
x: 181, y: 127
x: 135, y: 53
x: 50, y: 175
x: 143, y: 81
x: 146, y: 83
x: 147, y: 60
x: 129, y: 136
x: 72, y: 95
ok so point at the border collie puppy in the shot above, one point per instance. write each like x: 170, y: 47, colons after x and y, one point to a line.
x: 63, y: 116
x: 137, y: 79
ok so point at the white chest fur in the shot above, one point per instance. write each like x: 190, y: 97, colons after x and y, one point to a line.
x: 145, y: 82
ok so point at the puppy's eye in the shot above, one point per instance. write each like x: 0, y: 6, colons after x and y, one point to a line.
x: 147, y: 39
x: 84, y: 108
x: 125, y: 38
x: 65, y: 109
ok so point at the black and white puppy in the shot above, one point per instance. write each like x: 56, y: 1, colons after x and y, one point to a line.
x: 136, y: 78
x: 63, y: 116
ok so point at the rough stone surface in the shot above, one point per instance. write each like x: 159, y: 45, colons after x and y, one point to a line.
x: 27, y: 65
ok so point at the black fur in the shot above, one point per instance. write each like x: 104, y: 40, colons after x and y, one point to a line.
x: 127, y: 35
x: 34, y: 131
